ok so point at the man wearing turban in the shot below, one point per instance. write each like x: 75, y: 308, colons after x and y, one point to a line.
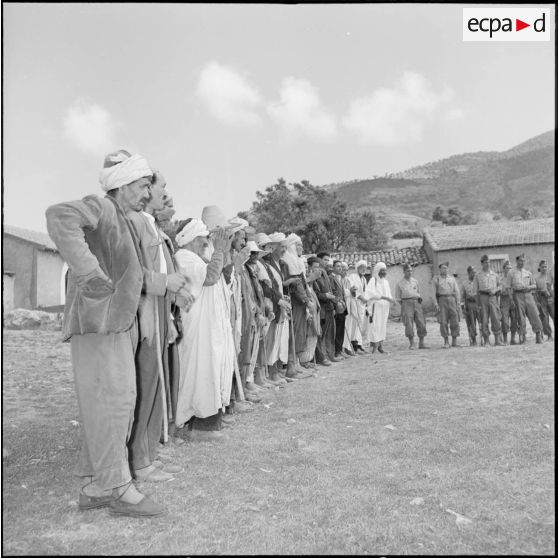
x: 100, y: 245
x: 378, y: 293
x: 206, y: 351
x: 356, y: 323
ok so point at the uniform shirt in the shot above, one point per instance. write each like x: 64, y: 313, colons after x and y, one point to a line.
x: 468, y: 288
x: 407, y: 289
x: 544, y: 284
x: 505, y: 284
x: 486, y: 281
x: 446, y: 286
x: 521, y: 278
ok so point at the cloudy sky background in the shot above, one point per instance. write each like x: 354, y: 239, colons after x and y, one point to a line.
x: 225, y: 99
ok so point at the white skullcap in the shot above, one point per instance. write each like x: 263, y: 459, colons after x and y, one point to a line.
x: 121, y: 169
x: 277, y: 237
x: 361, y: 262
x: 192, y: 230
x: 262, y: 239
x: 293, y: 239
x: 213, y: 217
x: 237, y: 224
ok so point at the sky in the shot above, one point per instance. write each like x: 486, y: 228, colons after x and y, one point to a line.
x: 225, y: 99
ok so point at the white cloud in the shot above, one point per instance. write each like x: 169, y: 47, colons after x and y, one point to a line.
x: 455, y: 114
x: 90, y: 127
x: 300, y: 111
x: 228, y: 95
x: 399, y: 114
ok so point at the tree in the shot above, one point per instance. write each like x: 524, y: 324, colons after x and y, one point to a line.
x: 316, y: 215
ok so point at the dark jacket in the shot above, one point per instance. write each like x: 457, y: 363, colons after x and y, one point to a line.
x: 322, y: 286
x: 275, y: 291
x: 97, y: 240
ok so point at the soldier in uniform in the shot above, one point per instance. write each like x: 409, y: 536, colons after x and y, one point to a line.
x: 471, y: 309
x: 545, y: 298
x: 407, y: 294
x: 486, y: 286
x: 447, y: 304
x: 523, y: 285
x: 508, y: 309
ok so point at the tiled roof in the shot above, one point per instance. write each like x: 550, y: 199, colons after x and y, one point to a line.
x: 414, y: 255
x: 41, y: 239
x: 505, y: 233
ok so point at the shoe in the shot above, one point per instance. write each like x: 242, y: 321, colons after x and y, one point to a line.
x: 446, y: 343
x: 325, y: 363
x: 153, y: 475
x: 422, y: 344
x: 251, y: 397
x: 243, y: 406
x: 499, y: 340
x: 381, y: 350
x: 336, y: 359
x: 86, y: 502
x: 538, y: 336
x: 228, y: 419
x: 302, y: 375
x: 512, y: 340
x: 172, y: 468
x: 348, y: 353
x: 144, y: 508
x: 206, y: 436
x: 454, y: 343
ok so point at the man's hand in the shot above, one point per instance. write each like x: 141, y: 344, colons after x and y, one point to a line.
x: 184, y: 300
x: 284, y: 304
x: 175, y: 281
x: 220, y: 239
x: 310, y: 305
x: 330, y: 296
x: 173, y: 334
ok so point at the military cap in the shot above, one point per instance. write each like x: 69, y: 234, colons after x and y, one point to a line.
x: 443, y: 263
x: 484, y: 258
x: 407, y: 267
x: 470, y: 268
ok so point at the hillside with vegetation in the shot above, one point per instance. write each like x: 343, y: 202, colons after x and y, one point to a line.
x: 484, y: 185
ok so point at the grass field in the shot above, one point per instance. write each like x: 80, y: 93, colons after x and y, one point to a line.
x: 413, y: 452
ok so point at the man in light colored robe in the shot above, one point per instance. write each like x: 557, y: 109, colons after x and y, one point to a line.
x: 207, y: 351
x: 378, y: 298
x: 356, y: 323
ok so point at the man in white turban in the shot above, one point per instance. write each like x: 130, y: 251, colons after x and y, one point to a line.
x: 206, y: 351
x: 97, y: 240
x: 378, y: 297
x: 356, y: 323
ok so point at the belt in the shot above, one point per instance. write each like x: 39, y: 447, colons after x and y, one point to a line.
x: 410, y: 298
x: 487, y: 293
x: 521, y: 290
x: 445, y: 295
x: 471, y: 299
x: 544, y: 295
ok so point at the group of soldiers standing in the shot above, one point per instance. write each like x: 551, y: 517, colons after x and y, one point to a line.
x: 505, y: 304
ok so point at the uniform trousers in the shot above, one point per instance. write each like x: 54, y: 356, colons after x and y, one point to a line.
x: 508, y: 310
x: 546, y: 311
x: 526, y: 306
x: 411, y: 314
x: 448, y: 314
x: 472, y: 317
x: 105, y: 383
x: 490, y: 310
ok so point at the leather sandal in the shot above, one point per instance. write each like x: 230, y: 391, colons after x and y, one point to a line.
x: 144, y: 508
x: 86, y: 502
